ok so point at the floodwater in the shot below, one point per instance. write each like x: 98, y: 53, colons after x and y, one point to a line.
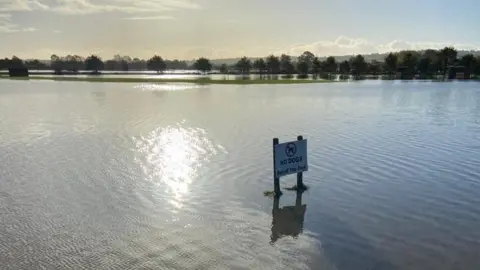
x: 172, y: 176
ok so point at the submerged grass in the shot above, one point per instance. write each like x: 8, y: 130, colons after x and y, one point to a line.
x: 168, y: 80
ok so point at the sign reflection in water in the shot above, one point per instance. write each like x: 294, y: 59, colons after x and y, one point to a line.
x: 288, y: 220
x: 172, y: 155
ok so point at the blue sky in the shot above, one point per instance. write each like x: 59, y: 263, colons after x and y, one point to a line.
x: 187, y: 29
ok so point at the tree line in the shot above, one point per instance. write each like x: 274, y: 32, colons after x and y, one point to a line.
x: 425, y: 64
x: 76, y: 63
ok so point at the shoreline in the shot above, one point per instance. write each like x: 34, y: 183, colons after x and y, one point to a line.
x: 170, y: 80
x: 110, y: 72
x: 206, y: 81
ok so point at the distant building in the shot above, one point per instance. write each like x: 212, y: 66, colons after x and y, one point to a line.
x: 404, y: 73
x: 398, y: 75
x: 457, y: 72
x: 18, y: 72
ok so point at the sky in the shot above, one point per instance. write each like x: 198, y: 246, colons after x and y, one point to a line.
x: 188, y: 29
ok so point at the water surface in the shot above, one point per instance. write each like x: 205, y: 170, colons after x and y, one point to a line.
x: 171, y: 176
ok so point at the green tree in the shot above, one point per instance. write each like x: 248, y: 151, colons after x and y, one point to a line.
x: 77, y: 63
x: 203, y: 65
x: 260, y: 65
x: 121, y: 62
x: 330, y: 65
x: 344, y: 67
x: 286, y: 66
x: 176, y: 64
x: 391, y: 63
x: 94, y: 63
x: 424, y: 67
x: 69, y: 63
x: 477, y: 68
x: 15, y: 62
x: 73, y: 63
x: 302, y: 69
x: 409, y: 61
x: 56, y: 63
x: 316, y: 67
x: 223, y: 68
x: 470, y: 63
x: 110, y: 65
x: 244, y: 65
x: 374, y: 67
x: 448, y: 56
x: 358, y: 65
x: 138, y: 64
x: 307, y: 57
x: 273, y: 64
x: 4, y: 63
x: 35, y: 64
x: 157, y: 64
x: 434, y: 59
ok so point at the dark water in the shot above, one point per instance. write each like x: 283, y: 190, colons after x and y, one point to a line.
x: 129, y: 176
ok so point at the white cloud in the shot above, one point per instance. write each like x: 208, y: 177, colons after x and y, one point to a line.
x: 349, y: 46
x: 29, y: 29
x: 150, y: 18
x: 97, y: 6
x: 7, y: 26
x: 21, y: 5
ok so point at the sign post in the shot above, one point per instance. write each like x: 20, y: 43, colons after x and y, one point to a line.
x: 289, y: 158
x: 300, y: 185
x: 276, y: 179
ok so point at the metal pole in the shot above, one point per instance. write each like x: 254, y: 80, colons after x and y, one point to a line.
x: 300, y: 185
x: 298, y: 199
x: 276, y: 180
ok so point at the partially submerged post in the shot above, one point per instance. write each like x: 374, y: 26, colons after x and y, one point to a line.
x: 300, y: 185
x: 276, y: 178
x: 289, y: 158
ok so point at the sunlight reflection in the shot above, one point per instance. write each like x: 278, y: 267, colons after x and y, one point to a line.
x: 167, y: 87
x: 172, y: 156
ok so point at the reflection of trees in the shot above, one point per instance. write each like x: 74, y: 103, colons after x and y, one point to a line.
x: 287, y: 221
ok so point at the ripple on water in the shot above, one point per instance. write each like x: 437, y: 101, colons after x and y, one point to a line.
x: 118, y: 186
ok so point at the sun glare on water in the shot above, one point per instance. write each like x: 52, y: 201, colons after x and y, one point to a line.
x: 171, y: 156
x: 167, y: 87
